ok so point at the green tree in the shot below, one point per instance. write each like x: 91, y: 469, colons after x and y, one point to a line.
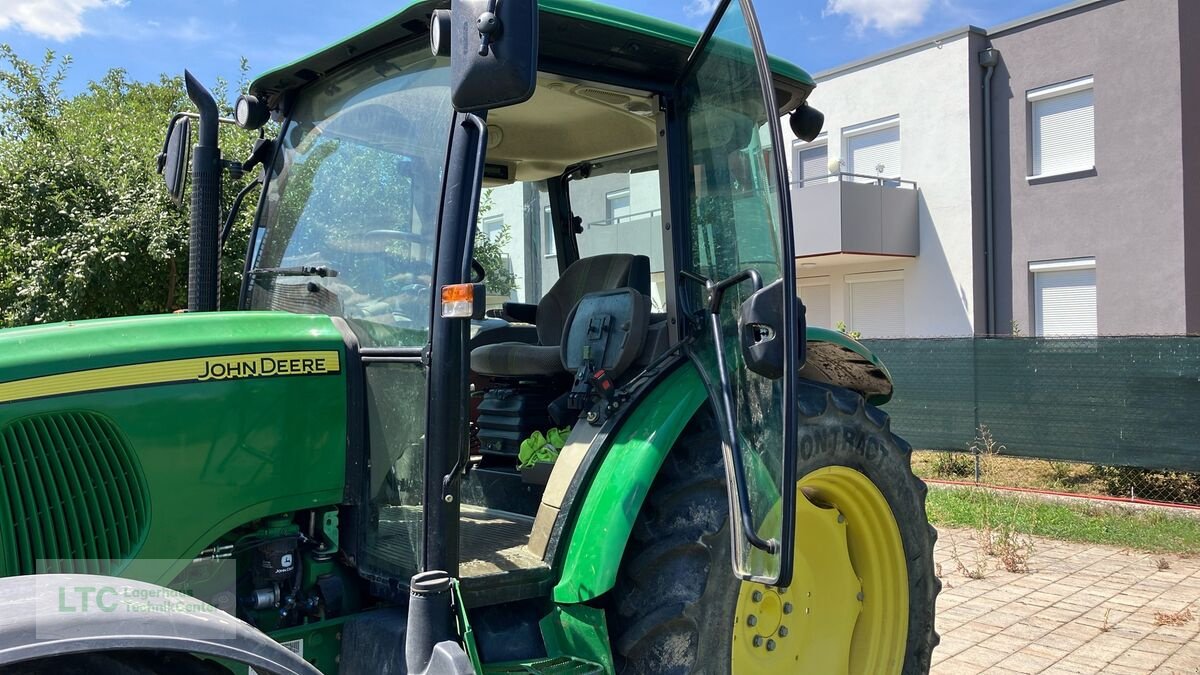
x: 86, y: 227
x: 490, y: 252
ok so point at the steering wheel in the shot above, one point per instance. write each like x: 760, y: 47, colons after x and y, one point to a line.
x: 478, y: 273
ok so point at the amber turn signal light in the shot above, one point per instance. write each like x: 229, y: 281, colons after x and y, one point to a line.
x: 463, y: 301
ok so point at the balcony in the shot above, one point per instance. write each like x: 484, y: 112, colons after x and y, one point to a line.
x: 845, y: 217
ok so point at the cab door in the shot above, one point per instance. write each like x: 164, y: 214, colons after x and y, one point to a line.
x: 737, y: 282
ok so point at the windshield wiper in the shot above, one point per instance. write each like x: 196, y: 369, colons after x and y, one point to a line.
x: 302, y: 271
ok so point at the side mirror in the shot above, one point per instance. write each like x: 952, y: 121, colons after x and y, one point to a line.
x: 493, y: 48
x: 173, y: 161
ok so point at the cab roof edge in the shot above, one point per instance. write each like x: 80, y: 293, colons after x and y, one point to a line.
x: 412, y: 22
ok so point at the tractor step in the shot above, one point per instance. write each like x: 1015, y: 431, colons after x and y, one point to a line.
x: 558, y: 665
x: 495, y: 563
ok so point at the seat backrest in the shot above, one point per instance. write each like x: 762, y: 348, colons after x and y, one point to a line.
x: 588, y: 275
x: 607, y: 329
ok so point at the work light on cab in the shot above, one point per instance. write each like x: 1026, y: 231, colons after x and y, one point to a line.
x: 251, y: 113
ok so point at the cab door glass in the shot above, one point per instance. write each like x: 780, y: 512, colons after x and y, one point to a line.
x: 737, y: 224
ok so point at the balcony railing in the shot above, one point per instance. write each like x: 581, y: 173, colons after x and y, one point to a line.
x: 855, y: 214
x: 627, y: 218
x: 843, y: 176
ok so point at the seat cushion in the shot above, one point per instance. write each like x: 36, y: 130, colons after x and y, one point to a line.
x: 516, y: 359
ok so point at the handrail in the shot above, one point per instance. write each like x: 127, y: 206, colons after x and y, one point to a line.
x: 842, y: 175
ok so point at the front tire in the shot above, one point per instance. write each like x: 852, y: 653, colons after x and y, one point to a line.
x: 862, y: 597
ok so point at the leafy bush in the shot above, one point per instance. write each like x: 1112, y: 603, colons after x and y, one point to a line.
x: 953, y: 465
x: 86, y: 227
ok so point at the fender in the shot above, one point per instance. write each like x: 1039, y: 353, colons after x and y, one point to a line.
x: 132, y: 615
x: 604, y: 521
x: 838, y: 359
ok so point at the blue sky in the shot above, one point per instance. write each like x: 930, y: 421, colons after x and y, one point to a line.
x: 148, y: 37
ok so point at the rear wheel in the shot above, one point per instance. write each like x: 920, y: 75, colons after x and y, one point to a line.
x: 862, y: 596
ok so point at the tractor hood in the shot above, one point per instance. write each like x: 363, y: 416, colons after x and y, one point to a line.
x: 82, y: 347
x: 155, y: 435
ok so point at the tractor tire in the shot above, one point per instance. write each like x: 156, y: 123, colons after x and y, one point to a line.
x: 678, y: 608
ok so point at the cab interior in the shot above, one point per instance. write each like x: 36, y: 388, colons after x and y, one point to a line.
x: 583, y: 156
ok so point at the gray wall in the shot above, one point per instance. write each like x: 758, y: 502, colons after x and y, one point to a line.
x: 1189, y: 58
x: 1130, y: 214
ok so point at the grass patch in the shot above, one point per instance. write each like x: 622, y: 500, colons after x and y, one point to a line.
x: 1010, y: 471
x: 1144, y: 530
x: 1072, y: 477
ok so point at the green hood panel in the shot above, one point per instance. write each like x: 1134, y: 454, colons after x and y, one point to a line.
x: 35, y: 351
x: 263, y: 433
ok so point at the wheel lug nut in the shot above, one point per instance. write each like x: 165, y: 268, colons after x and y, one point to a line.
x: 757, y: 640
x: 783, y: 631
x: 787, y: 608
x: 756, y: 596
x: 859, y: 596
x: 770, y: 645
x: 841, y: 518
x: 752, y: 620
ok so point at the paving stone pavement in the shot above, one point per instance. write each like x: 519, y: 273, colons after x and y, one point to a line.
x: 1080, y: 608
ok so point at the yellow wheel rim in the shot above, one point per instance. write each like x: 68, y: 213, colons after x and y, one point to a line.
x: 846, y: 610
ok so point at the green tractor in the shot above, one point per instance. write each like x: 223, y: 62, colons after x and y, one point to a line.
x: 609, y: 445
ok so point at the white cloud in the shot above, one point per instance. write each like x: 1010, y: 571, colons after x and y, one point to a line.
x: 55, y: 19
x: 888, y: 16
x: 701, y: 8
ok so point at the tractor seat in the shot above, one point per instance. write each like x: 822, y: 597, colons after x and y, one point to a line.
x: 586, y: 275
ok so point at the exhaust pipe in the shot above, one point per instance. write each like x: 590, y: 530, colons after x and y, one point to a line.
x: 205, y: 216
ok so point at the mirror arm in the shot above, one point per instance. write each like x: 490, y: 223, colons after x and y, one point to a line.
x: 489, y: 28
x: 162, y: 156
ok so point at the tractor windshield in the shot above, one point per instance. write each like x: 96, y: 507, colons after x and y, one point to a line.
x: 349, y: 218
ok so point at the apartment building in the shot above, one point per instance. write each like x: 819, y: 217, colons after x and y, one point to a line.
x: 1032, y: 177
x: 1038, y: 177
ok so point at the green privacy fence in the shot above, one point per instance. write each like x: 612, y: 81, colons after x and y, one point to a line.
x: 1123, y: 401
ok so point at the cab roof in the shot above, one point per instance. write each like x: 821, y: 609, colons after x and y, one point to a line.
x: 580, y: 37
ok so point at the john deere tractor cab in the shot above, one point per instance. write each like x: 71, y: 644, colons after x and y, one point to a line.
x: 518, y: 381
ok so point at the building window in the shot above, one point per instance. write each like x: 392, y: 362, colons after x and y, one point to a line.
x: 815, y: 294
x: 1062, y: 128
x: 810, y: 163
x: 876, y: 304
x: 492, y: 226
x: 873, y: 149
x: 617, y: 206
x: 1064, y: 297
x: 548, y: 233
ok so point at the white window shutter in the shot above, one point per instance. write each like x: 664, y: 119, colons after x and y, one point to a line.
x: 1064, y: 133
x: 869, y: 151
x: 877, y: 308
x: 1065, y: 302
x: 816, y: 304
x: 814, y: 163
